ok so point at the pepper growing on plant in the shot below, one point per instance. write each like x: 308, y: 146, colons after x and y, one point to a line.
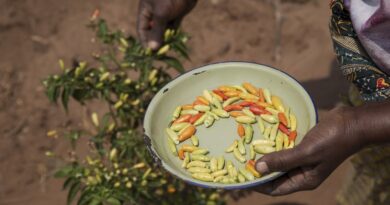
x: 118, y: 168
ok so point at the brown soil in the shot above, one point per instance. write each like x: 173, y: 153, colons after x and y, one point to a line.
x: 34, y: 34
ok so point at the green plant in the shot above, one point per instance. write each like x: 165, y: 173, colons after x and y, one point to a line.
x: 118, y: 169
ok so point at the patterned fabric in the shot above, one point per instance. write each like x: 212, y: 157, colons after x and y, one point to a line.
x: 369, y: 184
x: 355, y: 64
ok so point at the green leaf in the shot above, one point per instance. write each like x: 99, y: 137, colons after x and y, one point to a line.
x: 68, y: 182
x: 73, y: 192
x: 113, y: 201
x: 181, y: 48
x: 102, y: 29
x: 95, y: 201
x: 85, y: 197
x: 64, y: 172
x: 173, y: 62
x: 52, y: 93
x: 65, y: 97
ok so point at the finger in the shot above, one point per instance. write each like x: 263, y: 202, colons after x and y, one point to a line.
x: 295, y: 180
x: 284, y: 160
x: 155, y: 34
x: 144, y: 22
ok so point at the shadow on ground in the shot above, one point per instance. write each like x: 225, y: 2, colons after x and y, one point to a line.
x: 326, y: 92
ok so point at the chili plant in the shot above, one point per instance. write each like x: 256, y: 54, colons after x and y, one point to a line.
x: 118, y: 169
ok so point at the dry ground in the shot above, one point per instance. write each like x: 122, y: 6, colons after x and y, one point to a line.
x: 34, y: 34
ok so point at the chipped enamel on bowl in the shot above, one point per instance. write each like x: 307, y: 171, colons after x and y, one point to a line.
x: 185, y: 88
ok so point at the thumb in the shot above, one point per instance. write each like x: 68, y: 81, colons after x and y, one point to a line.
x: 281, y: 161
x: 156, y: 33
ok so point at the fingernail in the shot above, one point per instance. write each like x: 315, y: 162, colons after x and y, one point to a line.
x: 153, y: 45
x: 262, y: 167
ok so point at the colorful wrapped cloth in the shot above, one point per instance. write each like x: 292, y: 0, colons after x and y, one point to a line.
x: 369, y: 184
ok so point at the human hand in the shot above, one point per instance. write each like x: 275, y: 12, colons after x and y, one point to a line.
x: 307, y: 165
x: 154, y: 16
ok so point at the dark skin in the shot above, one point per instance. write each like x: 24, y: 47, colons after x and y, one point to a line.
x: 154, y: 17
x: 341, y: 133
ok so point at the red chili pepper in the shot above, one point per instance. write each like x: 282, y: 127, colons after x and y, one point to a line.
x: 282, y: 118
x: 232, y: 107
x: 284, y: 129
x: 220, y: 93
x: 257, y: 110
x: 292, y: 135
x: 184, y: 118
x: 246, y: 103
x: 194, y: 118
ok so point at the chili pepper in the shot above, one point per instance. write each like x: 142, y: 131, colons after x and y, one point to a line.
x: 234, y: 93
x: 241, y: 130
x: 284, y: 129
x: 261, y: 95
x: 277, y: 102
x: 181, y: 154
x: 252, y: 170
x: 198, y: 102
x: 183, y: 118
x: 251, y: 162
x: 189, y: 148
x: 246, y: 103
x: 292, y: 136
x: 236, y: 114
x: 194, y: 118
x: 187, y: 133
x: 232, y: 107
x: 282, y: 119
x: 203, y: 99
x: 250, y: 88
x: 257, y: 110
x: 224, y: 88
x: 187, y: 107
x: 220, y: 94
x: 230, y: 101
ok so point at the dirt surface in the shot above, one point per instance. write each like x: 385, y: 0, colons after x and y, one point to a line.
x: 34, y: 34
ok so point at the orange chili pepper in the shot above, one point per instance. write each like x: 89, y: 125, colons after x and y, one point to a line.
x: 183, y: 118
x: 249, y: 87
x: 284, y: 129
x: 181, y: 154
x: 220, y: 94
x: 282, y: 118
x: 261, y: 95
x: 263, y: 104
x: 198, y: 102
x: 240, y: 130
x: 226, y: 88
x: 252, y: 170
x: 203, y: 99
x: 232, y: 93
x: 232, y: 107
x: 194, y: 118
x: 251, y: 162
x: 292, y: 135
x: 187, y: 133
x: 187, y: 107
x: 236, y: 113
